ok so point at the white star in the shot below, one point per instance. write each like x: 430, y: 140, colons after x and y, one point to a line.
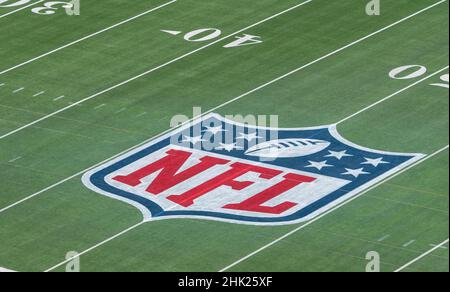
x: 193, y: 140
x: 249, y: 137
x: 215, y: 130
x: 355, y: 172
x: 318, y: 165
x: 338, y: 154
x: 229, y: 147
x: 375, y: 162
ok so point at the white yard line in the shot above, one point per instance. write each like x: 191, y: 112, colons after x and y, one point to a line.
x: 441, y: 247
x: 95, y: 246
x: 392, y: 95
x: 168, y: 130
x: 21, y: 8
x: 293, y: 231
x: 87, y: 37
x: 39, y: 93
x: 422, y: 256
x: 151, y: 70
x: 219, y: 40
x: 330, y: 211
x: 3, y: 270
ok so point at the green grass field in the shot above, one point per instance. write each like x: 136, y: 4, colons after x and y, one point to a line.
x: 78, y: 90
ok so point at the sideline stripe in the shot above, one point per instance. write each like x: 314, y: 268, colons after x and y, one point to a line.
x: 22, y: 8
x: 86, y: 37
x: 422, y: 256
x: 146, y: 141
x: 151, y: 70
x: 331, y: 210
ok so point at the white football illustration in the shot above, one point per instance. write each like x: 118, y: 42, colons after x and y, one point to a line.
x: 287, y: 148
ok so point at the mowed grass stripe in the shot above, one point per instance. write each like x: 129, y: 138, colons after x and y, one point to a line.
x: 87, y: 37
x: 211, y: 233
x: 253, y: 267
x: 46, y: 189
x: 151, y: 70
x: 27, y: 35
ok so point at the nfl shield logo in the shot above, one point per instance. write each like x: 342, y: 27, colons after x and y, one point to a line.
x: 218, y: 169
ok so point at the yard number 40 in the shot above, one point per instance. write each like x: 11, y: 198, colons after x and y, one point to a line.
x: 416, y: 71
x: 208, y: 34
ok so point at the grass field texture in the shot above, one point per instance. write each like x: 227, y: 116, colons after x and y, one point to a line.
x: 71, y: 97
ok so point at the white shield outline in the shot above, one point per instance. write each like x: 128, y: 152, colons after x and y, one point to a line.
x: 147, y: 215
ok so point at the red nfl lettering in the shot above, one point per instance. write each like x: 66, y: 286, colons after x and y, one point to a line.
x: 225, y: 179
x: 169, y: 176
x: 254, y: 204
x: 169, y: 166
x: 234, y: 176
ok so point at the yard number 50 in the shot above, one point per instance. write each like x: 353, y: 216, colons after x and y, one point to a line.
x: 416, y: 71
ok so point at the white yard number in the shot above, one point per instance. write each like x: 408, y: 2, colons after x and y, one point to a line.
x: 208, y: 34
x: 416, y: 71
x: 196, y: 35
x: 245, y: 40
x: 47, y: 8
x: 51, y: 7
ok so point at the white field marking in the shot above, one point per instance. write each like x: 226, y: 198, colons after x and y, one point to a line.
x: 21, y: 8
x: 152, y: 70
x: 332, y: 210
x: 15, y: 159
x: 196, y: 117
x: 270, y: 244
x: 2, y: 84
x: 104, y: 242
x: 409, y: 243
x: 421, y: 256
x: 392, y: 95
x: 384, y: 238
x: 99, y: 106
x: 39, y: 93
x: 441, y: 247
x: 3, y: 270
x: 142, y: 114
x: 408, y: 204
x: 279, y: 239
x: 121, y: 110
x: 172, y: 32
x: 58, y: 98
x: 18, y: 90
x: 86, y: 37
x: 95, y: 246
